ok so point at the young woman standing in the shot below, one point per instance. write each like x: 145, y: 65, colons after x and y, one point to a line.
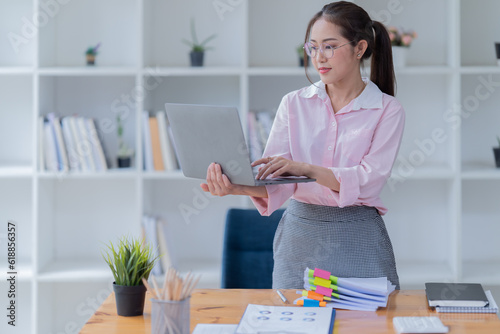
x: 344, y: 131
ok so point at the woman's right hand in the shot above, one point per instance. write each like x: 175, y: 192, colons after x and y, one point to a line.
x: 218, y: 184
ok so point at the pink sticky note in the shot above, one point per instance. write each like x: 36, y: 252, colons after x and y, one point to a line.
x: 324, y: 291
x: 321, y: 273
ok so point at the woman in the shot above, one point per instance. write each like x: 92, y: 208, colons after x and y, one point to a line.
x: 344, y: 131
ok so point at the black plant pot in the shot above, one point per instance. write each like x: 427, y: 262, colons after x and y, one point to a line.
x: 196, y: 58
x: 129, y: 299
x: 496, y: 152
x: 124, y: 162
x: 301, y: 62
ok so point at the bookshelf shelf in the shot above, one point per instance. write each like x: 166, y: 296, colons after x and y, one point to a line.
x: 65, y: 217
x: 192, y: 71
x: 480, y: 70
x: 76, y: 271
x: 273, y: 71
x: 480, y: 171
x: 87, y: 71
x: 408, y: 172
x: 15, y: 171
x: 24, y: 269
x: 19, y: 70
x: 110, y: 174
x: 169, y: 175
x: 424, y: 70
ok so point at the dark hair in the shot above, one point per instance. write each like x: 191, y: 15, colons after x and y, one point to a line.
x: 355, y: 25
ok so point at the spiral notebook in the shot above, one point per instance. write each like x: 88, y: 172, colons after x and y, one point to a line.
x: 491, y: 308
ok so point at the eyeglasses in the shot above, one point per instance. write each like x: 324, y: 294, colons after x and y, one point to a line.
x: 326, y: 49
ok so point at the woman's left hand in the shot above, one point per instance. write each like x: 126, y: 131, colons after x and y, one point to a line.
x: 279, y: 166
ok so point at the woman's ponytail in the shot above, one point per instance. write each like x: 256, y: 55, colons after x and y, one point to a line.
x: 382, y: 68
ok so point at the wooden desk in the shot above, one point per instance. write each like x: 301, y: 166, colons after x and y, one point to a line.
x: 227, y: 306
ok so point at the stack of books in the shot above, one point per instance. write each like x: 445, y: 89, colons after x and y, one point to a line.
x: 159, y: 152
x: 460, y: 298
x: 70, y: 144
x: 362, y: 294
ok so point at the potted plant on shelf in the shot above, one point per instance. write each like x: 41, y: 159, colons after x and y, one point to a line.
x: 125, y: 153
x: 300, y: 52
x: 496, y: 152
x: 197, y: 48
x: 91, y: 53
x: 401, y: 41
x: 130, y: 260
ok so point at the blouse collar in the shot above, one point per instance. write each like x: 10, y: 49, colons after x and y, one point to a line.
x: 370, y: 97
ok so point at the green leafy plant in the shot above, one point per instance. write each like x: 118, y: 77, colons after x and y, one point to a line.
x: 123, y: 149
x: 92, y: 50
x: 300, y: 51
x: 130, y: 261
x: 194, y: 44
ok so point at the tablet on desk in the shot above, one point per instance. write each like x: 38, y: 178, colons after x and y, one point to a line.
x: 205, y: 134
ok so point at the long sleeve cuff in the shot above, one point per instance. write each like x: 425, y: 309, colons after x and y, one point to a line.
x: 276, y: 196
x: 349, y: 185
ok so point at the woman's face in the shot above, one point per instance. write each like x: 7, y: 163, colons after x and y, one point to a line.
x: 344, y: 59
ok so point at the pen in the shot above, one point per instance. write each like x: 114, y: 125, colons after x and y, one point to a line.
x: 283, y: 298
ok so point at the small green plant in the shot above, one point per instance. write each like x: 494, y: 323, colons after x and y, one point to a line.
x: 92, y: 50
x: 123, y: 149
x: 130, y: 261
x: 194, y: 44
x: 300, y: 51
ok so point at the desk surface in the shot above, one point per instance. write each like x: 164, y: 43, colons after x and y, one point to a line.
x: 227, y: 306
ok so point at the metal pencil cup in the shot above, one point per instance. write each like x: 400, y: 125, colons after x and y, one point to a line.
x: 170, y: 317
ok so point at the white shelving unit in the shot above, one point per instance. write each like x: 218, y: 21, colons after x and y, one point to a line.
x: 443, y: 218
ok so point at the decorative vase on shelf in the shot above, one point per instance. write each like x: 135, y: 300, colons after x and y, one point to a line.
x: 399, y: 54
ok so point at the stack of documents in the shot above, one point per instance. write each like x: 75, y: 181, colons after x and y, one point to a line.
x: 491, y: 308
x: 362, y: 294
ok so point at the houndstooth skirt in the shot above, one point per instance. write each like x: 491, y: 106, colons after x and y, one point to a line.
x: 348, y: 242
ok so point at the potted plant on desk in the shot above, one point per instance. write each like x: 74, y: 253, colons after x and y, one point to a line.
x: 496, y: 152
x: 197, y: 48
x: 129, y: 262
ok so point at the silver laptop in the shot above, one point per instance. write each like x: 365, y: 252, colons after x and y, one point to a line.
x: 204, y: 134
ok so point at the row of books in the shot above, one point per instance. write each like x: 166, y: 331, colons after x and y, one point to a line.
x: 70, y: 143
x: 259, y: 123
x: 159, y: 152
x: 155, y: 232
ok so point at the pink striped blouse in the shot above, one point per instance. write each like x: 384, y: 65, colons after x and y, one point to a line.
x: 358, y: 144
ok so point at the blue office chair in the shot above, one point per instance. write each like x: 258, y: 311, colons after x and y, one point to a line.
x: 247, y: 259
